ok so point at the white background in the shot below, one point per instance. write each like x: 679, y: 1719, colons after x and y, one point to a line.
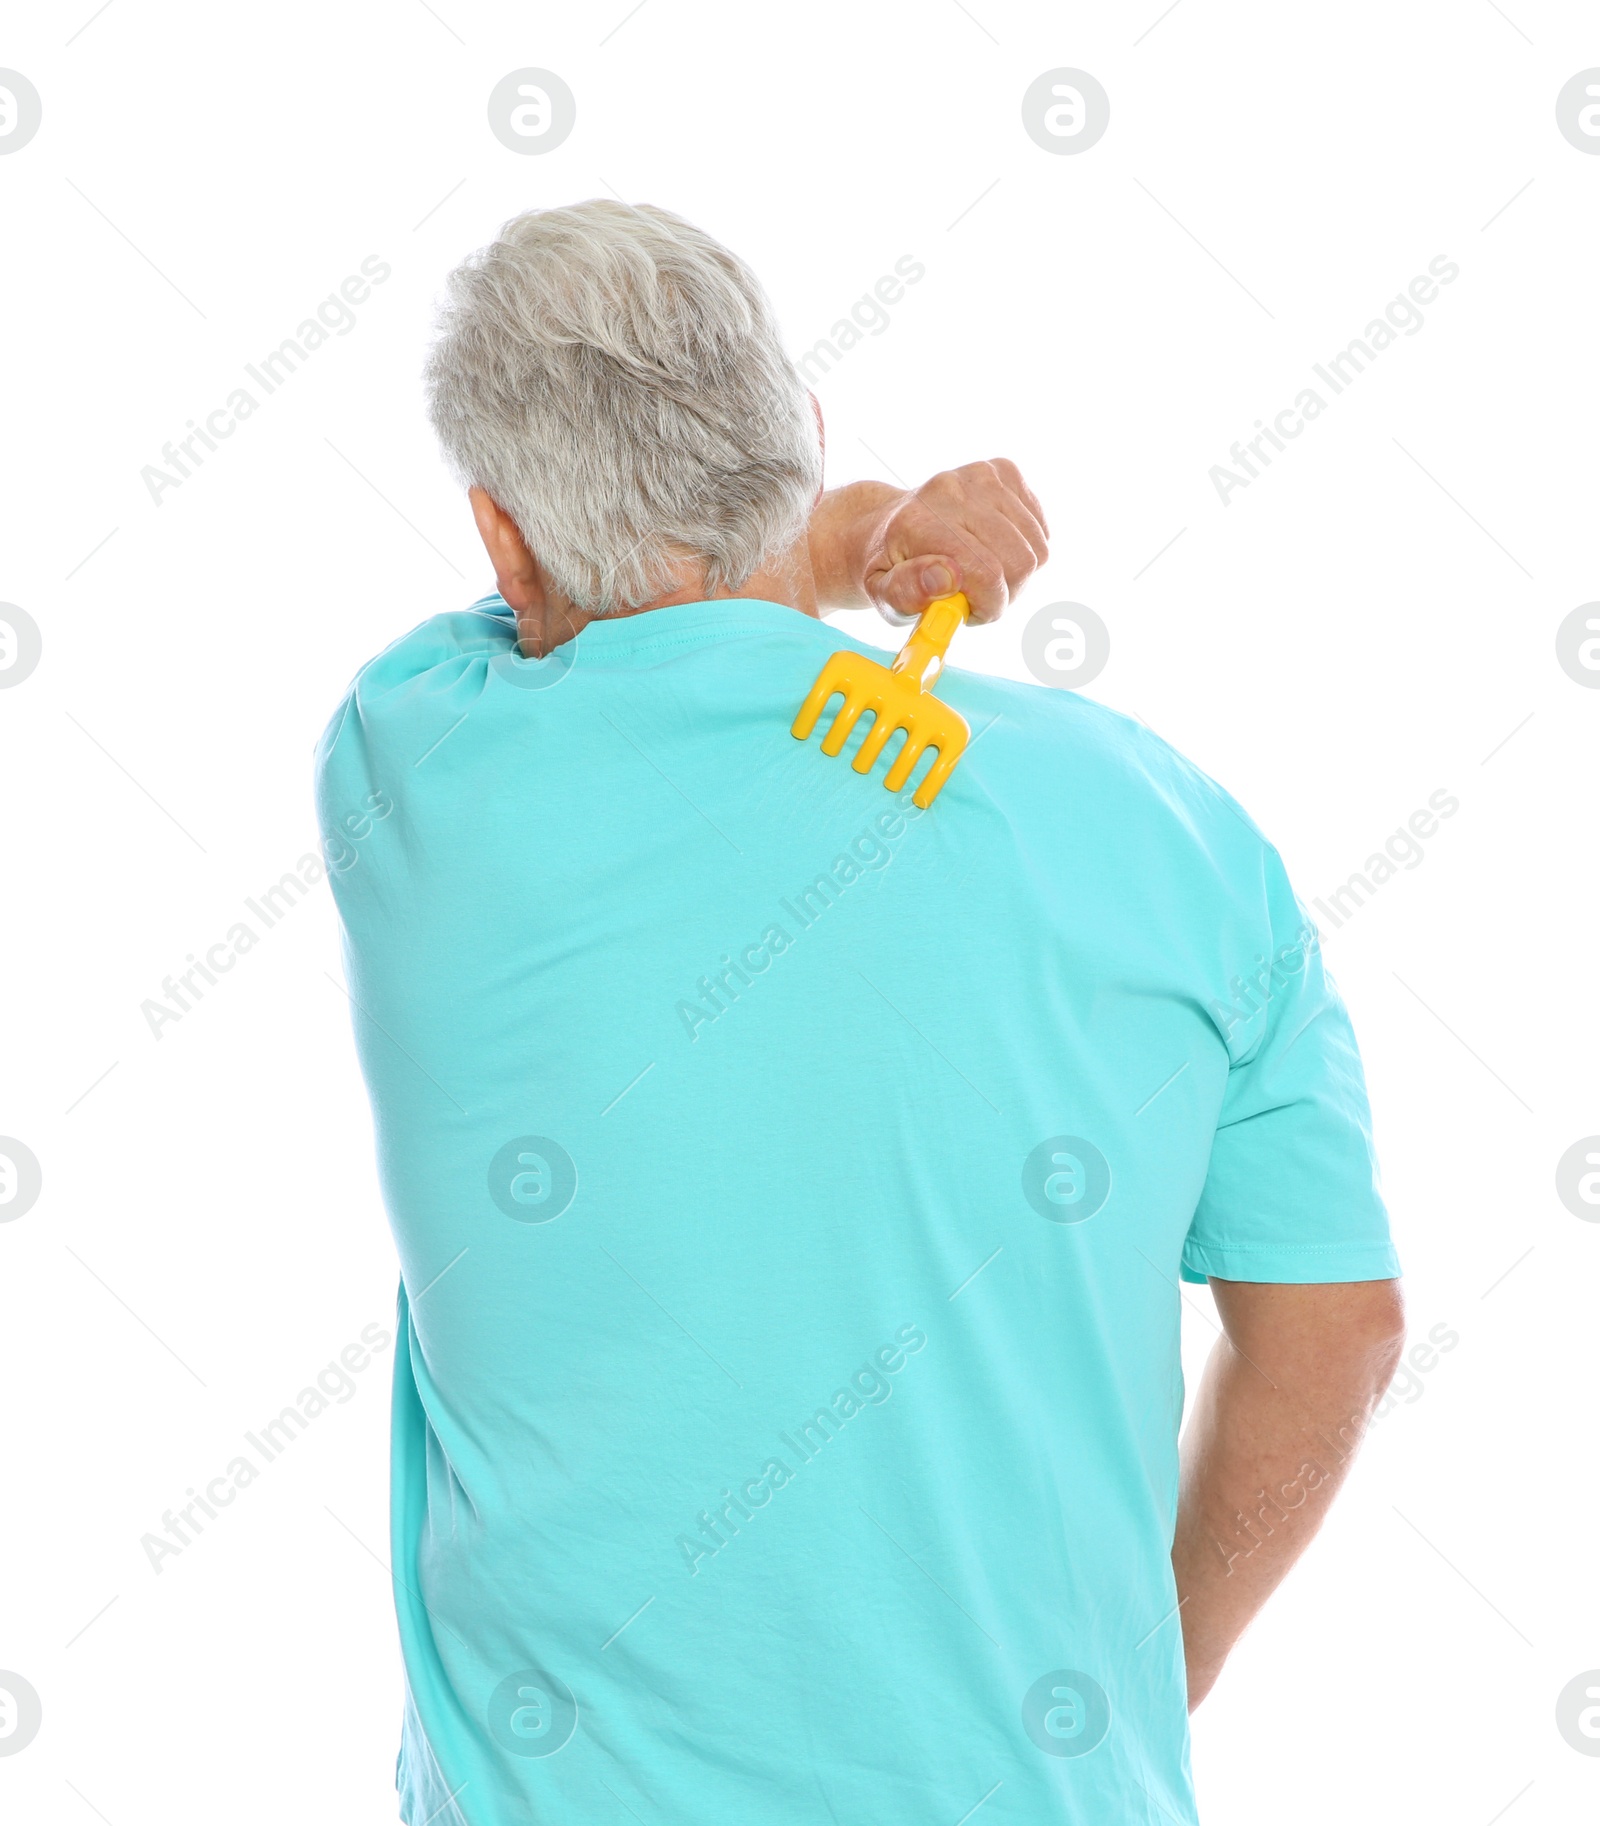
x: 1356, y: 629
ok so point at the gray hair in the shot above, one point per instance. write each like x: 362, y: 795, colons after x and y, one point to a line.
x: 614, y: 379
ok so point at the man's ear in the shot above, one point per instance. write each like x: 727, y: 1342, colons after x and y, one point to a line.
x: 516, y: 570
x: 822, y: 440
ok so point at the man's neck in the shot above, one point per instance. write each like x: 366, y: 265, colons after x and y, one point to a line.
x: 551, y: 623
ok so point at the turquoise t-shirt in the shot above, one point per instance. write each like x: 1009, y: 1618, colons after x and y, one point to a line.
x: 791, y: 1191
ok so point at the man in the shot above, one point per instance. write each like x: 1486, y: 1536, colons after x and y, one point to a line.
x: 792, y: 1188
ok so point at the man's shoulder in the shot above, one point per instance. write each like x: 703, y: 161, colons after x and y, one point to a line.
x: 484, y: 628
x: 401, y: 690
x: 1060, y: 738
x: 450, y: 639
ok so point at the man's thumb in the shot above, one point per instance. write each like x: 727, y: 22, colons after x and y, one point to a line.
x: 908, y: 588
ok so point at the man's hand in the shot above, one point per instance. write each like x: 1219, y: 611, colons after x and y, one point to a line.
x: 1285, y: 1399
x: 979, y: 529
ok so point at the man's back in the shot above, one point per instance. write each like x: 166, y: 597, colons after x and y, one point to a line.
x: 791, y: 1190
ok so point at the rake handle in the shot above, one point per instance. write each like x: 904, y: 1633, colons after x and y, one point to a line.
x: 931, y: 637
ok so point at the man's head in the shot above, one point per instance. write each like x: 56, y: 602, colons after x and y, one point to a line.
x: 611, y: 381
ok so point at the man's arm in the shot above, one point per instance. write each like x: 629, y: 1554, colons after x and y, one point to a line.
x: 1285, y: 1398
x: 978, y: 528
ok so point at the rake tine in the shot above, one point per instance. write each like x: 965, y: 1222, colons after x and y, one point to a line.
x: 816, y: 697
x: 936, y: 776
x: 844, y: 722
x: 884, y: 727
x: 907, y: 759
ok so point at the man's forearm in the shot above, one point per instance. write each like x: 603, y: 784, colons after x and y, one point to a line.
x: 978, y: 529
x: 846, y: 526
x: 1280, y: 1411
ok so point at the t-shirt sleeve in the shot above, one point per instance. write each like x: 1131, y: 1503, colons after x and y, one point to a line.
x: 1291, y: 1191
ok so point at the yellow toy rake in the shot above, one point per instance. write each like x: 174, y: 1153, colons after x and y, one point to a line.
x: 900, y: 697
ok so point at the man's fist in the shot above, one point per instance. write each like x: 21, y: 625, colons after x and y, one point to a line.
x: 978, y: 529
